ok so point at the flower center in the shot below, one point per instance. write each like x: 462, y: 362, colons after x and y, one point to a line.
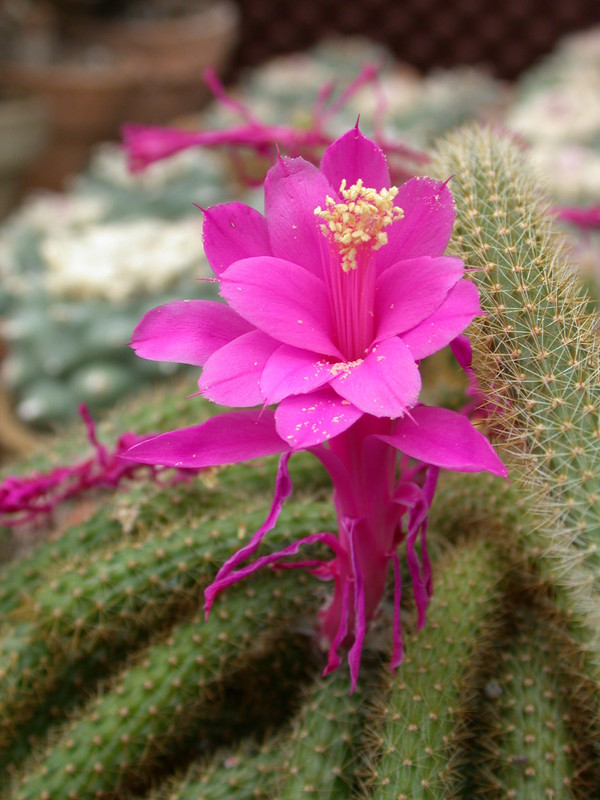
x: 360, y: 220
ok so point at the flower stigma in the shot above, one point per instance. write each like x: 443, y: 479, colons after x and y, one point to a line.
x: 360, y: 220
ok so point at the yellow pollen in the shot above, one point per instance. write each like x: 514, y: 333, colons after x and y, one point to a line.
x: 345, y: 367
x: 360, y: 220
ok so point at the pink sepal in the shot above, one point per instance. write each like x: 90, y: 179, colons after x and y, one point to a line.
x: 333, y: 660
x: 417, y: 501
x: 360, y: 621
x: 283, y: 489
x: 273, y: 559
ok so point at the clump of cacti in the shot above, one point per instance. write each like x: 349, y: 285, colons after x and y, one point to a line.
x: 113, y: 686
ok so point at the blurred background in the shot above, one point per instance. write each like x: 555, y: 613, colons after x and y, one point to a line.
x: 86, y: 247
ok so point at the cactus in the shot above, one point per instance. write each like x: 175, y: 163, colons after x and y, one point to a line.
x: 165, y: 697
x: 529, y: 751
x: 536, y: 353
x: 111, y: 631
x: 426, y: 702
x: 314, y: 755
x: 115, y: 601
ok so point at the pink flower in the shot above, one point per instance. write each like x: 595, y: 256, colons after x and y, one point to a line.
x: 332, y: 298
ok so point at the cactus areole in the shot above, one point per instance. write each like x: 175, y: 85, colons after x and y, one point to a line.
x: 332, y: 298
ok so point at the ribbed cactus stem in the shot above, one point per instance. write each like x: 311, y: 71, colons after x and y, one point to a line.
x: 313, y: 756
x: 320, y: 751
x: 536, y: 352
x: 167, y: 695
x: 117, y: 600
x: 529, y: 752
x: 420, y: 719
x: 247, y: 773
x: 132, y: 586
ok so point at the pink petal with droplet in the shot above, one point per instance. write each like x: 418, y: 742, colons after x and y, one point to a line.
x: 291, y: 370
x: 353, y: 156
x: 293, y: 189
x: 446, y: 323
x: 187, y: 331
x: 232, y: 231
x: 411, y: 291
x: 427, y: 224
x: 306, y: 420
x: 226, y: 439
x: 231, y: 376
x: 385, y: 383
x: 445, y: 439
x: 282, y: 299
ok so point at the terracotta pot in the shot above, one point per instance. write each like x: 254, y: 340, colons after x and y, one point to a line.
x: 170, y: 56
x: 23, y: 133
x: 85, y: 104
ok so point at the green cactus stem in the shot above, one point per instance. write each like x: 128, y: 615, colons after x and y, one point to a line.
x: 529, y: 750
x: 320, y: 750
x: 168, y: 695
x: 247, y: 773
x: 536, y: 352
x: 420, y: 718
x: 117, y: 600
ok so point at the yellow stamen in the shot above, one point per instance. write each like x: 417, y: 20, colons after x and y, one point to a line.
x: 360, y: 220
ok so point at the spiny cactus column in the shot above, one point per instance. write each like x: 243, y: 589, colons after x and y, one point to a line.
x: 536, y: 353
x: 167, y: 695
x: 116, y: 600
x: 528, y: 753
x: 313, y: 756
x: 320, y: 751
x: 415, y: 750
x: 247, y: 773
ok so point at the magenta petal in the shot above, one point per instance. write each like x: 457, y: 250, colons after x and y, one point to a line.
x: 444, y: 325
x: 353, y: 157
x: 306, y: 420
x: 385, y: 384
x: 145, y: 144
x: 427, y: 224
x: 231, y: 376
x: 445, y: 439
x: 293, y: 189
x: 186, y: 331
x: 233, y: 231
x: 226, y: 439
x: 413, y: 498
x: 290, y: 370
x: 282, y: 299
x: 410, y: 291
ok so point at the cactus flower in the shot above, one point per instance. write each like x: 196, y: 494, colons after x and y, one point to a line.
x: 332, y: 298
